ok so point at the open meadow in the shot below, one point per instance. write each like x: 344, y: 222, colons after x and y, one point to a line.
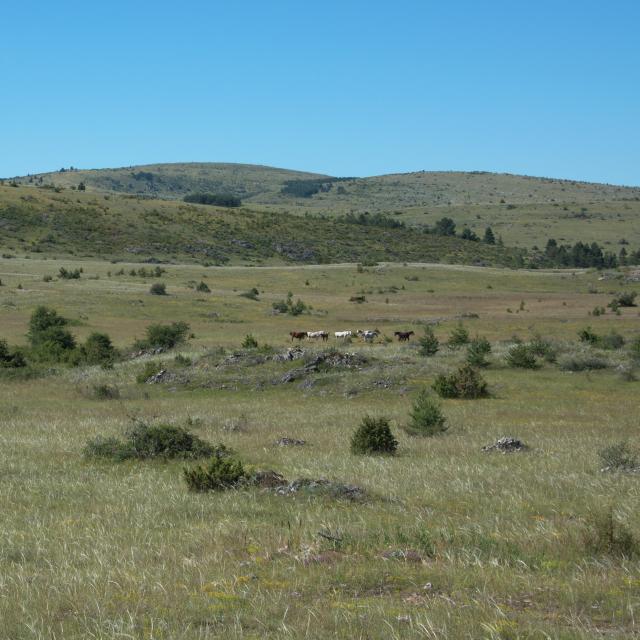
x: 440, y: 540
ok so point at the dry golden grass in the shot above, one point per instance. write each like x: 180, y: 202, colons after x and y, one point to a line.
x: 122, y: 550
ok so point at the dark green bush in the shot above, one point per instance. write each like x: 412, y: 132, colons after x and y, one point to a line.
x: 98, y: 349
x: 465, y: 383
x: 105, y: 392
x: 459, y: 336
x: 144, y: 441
x: 289, y: 306
x: 373, y: 436
x: 165, y: 336
x: 219, y: 474
x: 10, y: 359
x: 522, y: 357
x: 203, y: 287
x: 158, y: 289
x: 477, y: 352
x: 249, y: 342
x: 543, y: 348
x: 252, y: 294
x: 429, y: 344
x: 624, y: 299
x: 66, y: 274
x: 50, y: 341
x: 149, y: 369
x: 426, y: 416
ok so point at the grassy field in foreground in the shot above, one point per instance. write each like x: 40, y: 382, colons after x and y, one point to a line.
x: 450, y: 542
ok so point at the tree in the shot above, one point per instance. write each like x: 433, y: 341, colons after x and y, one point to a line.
x: 445, y: 227
x: 429, y: 344
x: 82, y: 187
x: 489, y: 237
x: 467, y: 234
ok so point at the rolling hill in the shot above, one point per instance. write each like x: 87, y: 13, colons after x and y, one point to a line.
x: 525, y: 211
x: 116, y: 226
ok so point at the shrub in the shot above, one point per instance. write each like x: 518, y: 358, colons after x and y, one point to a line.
x: 543, y: 348
x: 426, y: 416
x: 249, y: 342
x: 149, y: 369
x: 288, y: 306
x: 182, y: 361
x: 581, y: 362
x: 464, y: 383
x: 623, y: 299
x: 165, y: 336
x: 252, y: 294
x: 158, y: 289
x: 588, y: 336
x: 66, y: 274
x: 619, y: 457
x: 429, y: 344
x: 459, y: 336
x: 221, y: 473
x: 49, y: 339
x: 373, y: 436
x: 203, y: 287
x: 105, y: 392
x: 521, y: 356
x: 606, y: 535
x: 477, y: 351
x: 613, y: 340
x: 9, y: 359
x: 98, y: 349
x: 145, y: 441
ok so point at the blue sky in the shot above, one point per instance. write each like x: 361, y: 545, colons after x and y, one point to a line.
x: 345, y: 88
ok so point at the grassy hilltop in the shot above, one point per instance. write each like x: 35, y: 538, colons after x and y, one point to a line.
x: 524, y: 210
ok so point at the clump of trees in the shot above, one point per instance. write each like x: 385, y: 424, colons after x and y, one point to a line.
x: 216, y: 199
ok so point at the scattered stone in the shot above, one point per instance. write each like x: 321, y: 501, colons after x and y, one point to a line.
x: 324, y: 361
x: 322, y: 487
x: 289, y: 442
x: 407, y: 555
x: 506, y: 445
x: 157, y: 377
x: 267, y: 479
x: 292, y: 353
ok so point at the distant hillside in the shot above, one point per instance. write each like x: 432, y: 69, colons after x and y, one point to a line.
x: 525, y: 211
x: 117, y: 226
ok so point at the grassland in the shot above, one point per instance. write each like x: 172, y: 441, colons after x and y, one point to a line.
x: 499, y: 543
x: 524, y: 210
x: 116, y: 226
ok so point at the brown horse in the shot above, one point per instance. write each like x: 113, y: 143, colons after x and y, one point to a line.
x: 298, y: 335
x: 403, y: 336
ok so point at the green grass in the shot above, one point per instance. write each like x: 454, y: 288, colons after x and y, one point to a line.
x: 108, y: 550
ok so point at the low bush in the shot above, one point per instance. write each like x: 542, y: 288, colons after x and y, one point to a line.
x: 165, y: 336
x: 68, y: 274
x: 459, y: 337
x: 249, y: 342
x: 543, y: 348
x: 105, y: 392
x: 158, y: 289
x: 623, y: 299
x: 144, y: 441
x: 219, y: 474
x: 203, y: 287
x: 373, y: 436
x: 581, y: 362
x: 429, y: 345
x: 10, y: 359
x: 613, y: 340
x: 521, y: 356
x: 98, y: 349
x: 426, y: 416
x: 252, y: 294
x: 290, y: 307
x: 477, y: 352
x: 465, y: 383
x: 149, y: 369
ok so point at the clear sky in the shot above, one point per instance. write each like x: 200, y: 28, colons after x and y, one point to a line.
x: 548, y: 88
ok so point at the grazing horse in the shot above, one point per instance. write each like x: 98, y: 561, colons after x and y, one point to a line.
x: 314, y: 335
x: 298, y: 335
x: 343, y: 334
x: 368, y: 334
x: 403, y: 336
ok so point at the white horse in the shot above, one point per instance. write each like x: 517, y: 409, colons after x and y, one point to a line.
x: 343, y: 334
x: 314, y: 335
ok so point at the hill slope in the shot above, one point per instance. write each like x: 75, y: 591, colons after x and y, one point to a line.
x: 524, y: 210
x: 118, y: 226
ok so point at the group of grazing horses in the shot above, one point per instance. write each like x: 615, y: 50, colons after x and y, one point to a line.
x: 368, y: 335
